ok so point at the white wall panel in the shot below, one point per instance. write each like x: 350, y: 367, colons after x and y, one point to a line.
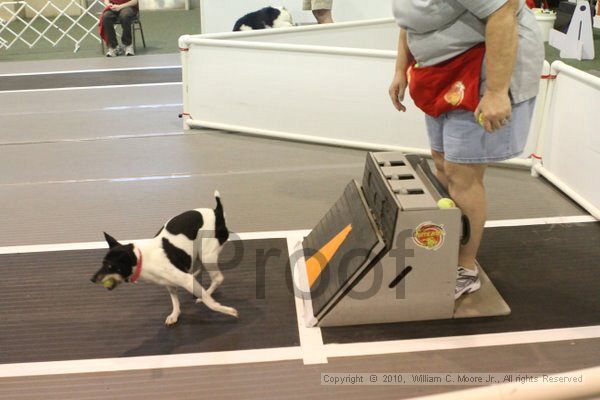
x: 221, y: 15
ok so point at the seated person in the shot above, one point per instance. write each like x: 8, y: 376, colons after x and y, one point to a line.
x: 123, y: 11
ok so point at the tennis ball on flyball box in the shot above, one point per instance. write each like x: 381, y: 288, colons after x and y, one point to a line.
x: 445, y: 203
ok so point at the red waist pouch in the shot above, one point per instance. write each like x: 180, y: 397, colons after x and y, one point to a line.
x: 450, y: 85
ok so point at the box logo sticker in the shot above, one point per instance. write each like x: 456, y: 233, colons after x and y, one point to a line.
x: 430, y: 236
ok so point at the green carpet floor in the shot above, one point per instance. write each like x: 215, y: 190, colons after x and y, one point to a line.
x: 553, y: 54
x: 161, y: 29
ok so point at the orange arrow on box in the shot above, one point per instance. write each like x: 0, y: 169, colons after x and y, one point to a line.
x: 317, y: 263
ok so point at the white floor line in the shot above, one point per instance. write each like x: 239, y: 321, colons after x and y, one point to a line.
x: 271, y: 234
x: 96, y: 139
x: 95, y: 180
x: 461, y: 342
x: 540, y: 221
x: 587, y: 388
x: 60, y: 89
x: 311, y: 339
x: 184, y: 175
x: 150, y: 362
x: 42, y: 248
x: 85, y: 71
x: 94, y: 110
x: 141, y: 106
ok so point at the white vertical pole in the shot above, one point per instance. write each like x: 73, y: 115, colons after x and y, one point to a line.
x: 184, y: 49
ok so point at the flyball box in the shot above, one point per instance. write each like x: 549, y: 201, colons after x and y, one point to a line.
x: 385, y: 252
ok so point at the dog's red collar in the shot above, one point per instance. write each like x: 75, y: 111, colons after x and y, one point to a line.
x: 138, y: 267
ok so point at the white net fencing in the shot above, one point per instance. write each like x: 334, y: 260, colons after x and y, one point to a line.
x: 22, y: 23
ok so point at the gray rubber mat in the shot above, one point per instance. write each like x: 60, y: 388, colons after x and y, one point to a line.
x: 81, y: 79
x: 548, y: 275
x: 51, y: 311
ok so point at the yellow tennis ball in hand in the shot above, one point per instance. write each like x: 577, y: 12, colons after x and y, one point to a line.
x: 108, y: 283
x: 481, y: 119
x: 445, y: 203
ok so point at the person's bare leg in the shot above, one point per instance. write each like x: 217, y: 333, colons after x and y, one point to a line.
x: 465, y: 184
x: 440, y: 172
x: 323, y: 16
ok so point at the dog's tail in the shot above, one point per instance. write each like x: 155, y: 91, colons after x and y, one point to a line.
x: 221, y: 231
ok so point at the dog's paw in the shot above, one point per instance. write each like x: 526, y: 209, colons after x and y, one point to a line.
x: 198, y: 301
x: 171, y: 320
x: 231, y: 311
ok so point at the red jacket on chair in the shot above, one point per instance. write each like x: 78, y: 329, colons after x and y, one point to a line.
x: 101, y: 26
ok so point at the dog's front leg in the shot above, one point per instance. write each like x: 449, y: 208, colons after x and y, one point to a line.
x: 172, y: 318
x: 189, y: 283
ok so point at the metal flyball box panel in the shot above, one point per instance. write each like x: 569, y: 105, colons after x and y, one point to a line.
x: 385, y: 252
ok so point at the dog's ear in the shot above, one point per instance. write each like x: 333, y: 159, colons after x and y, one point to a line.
x: 112, y: 242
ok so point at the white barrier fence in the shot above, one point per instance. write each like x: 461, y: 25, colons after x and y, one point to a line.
x: 322, y: 84
x: 328, y: 85
x: 569, y: 143
x: 74, y: 21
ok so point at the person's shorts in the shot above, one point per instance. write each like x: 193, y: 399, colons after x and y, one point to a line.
x: 317, y: 4
x: 463, y: 140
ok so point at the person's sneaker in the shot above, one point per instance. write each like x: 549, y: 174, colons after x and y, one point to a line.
x: 129, y: 50
x: 466, y: 282
x: 112, y: 52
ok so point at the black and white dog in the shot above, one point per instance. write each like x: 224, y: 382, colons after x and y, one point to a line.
x: 268, y: 17
x: 168, y: 258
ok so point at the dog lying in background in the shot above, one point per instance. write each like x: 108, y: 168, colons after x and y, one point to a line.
x: 168, y: 258
x: 268, y: 17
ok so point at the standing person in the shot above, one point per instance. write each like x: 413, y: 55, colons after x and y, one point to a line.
x: 474, y: 67
x: 321, y: 10
x: 123, y: 11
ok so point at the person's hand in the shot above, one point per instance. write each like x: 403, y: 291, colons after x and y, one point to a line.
x: 494, y: 111
x: 116, y: 7
x: 397, y: 89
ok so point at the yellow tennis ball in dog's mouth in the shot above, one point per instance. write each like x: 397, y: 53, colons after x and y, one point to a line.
x: 108, y: 283
x: 445, y: 203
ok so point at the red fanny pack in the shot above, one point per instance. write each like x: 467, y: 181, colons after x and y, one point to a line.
x: 451, y: 85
